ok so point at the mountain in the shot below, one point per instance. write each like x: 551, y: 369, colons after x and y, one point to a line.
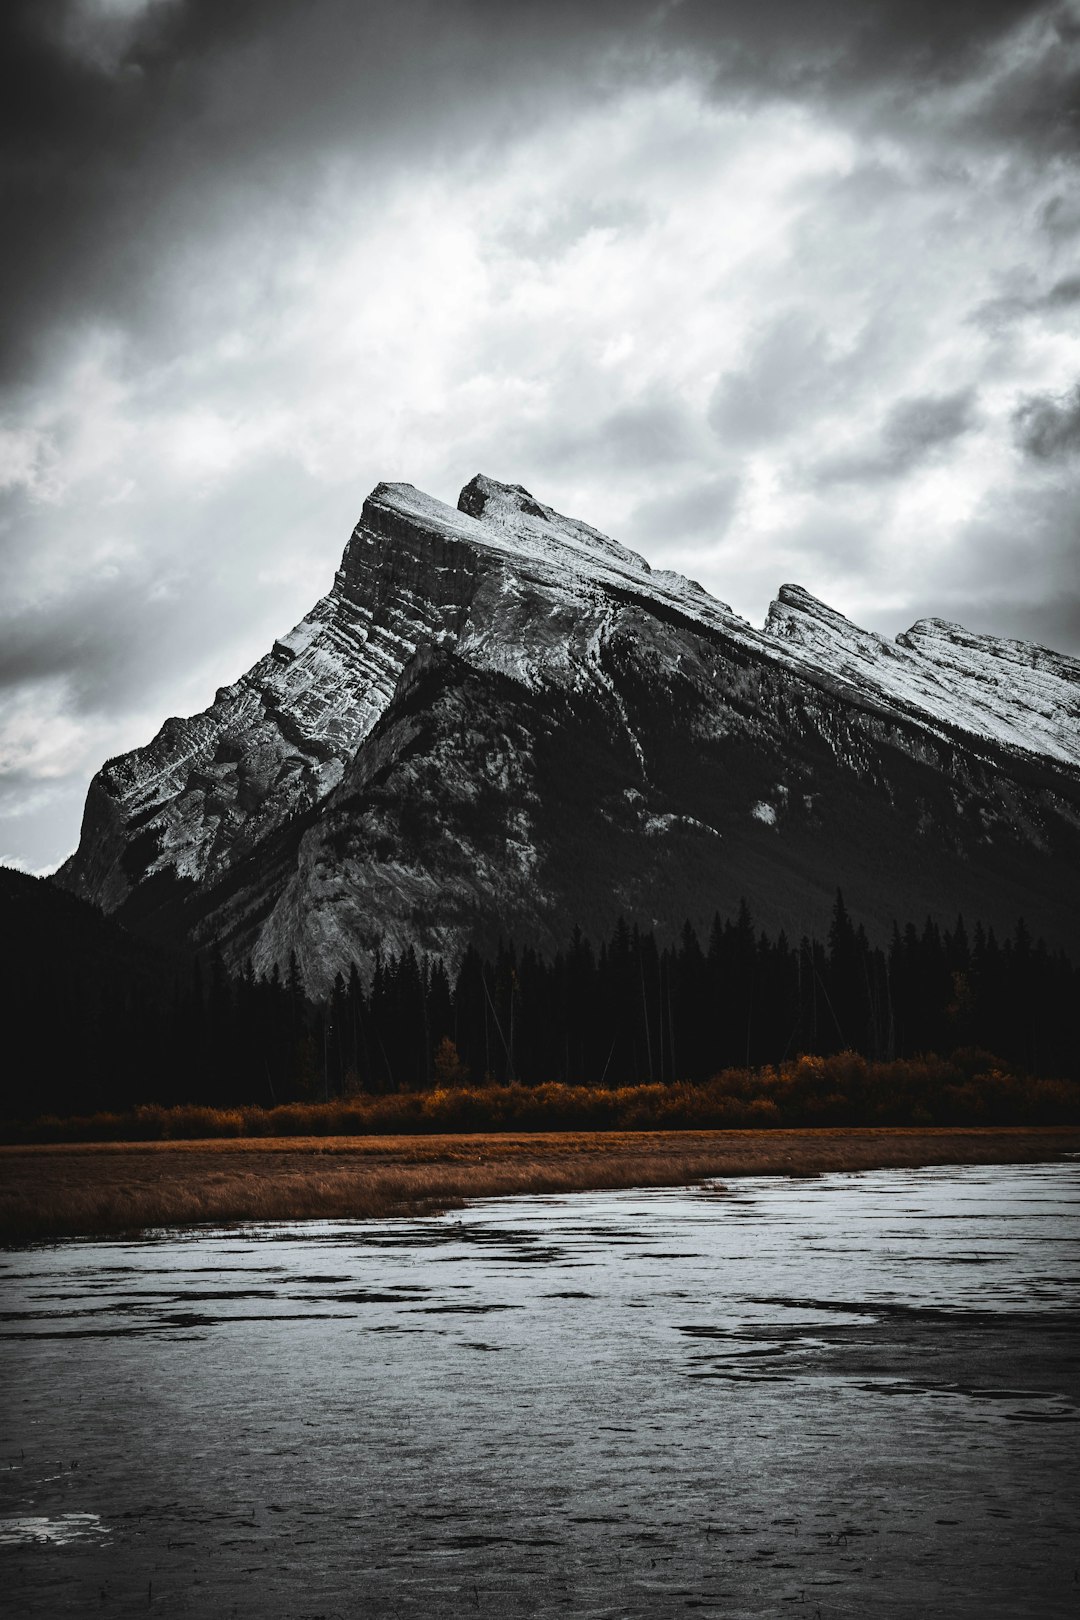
x: 501, y: 722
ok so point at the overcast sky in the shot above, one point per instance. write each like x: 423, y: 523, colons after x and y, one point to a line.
x: 772, y: 290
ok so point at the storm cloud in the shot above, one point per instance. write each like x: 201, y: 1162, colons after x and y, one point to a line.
x: 773, y: 290
x: 1048, y: 428
x: 912, y: 432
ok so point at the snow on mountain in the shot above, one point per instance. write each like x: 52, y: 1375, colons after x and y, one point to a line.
x: 1010, y: 692
x: 500, y: 719
x: 416, y: 573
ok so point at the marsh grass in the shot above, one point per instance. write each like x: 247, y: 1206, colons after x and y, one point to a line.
x: 70, y: 1190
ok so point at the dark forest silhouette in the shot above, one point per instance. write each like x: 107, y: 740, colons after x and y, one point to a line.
x: 115, y: 1028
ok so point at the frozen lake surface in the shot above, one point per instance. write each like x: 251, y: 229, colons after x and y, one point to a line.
x: 846, y: 1396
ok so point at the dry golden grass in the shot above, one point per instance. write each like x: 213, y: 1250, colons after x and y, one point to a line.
x: 77, y: 1189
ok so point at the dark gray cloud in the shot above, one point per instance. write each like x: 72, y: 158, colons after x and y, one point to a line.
x: 201, y: 107
x: 208, y: 108
x: 1035, y: 103
x: 835, y: 47
x: 891, y: 65
x: 790, y: 375
x: 913, y: 431
x: 1049, y: 428
x: 1059, y: 217
x: 1016, y: 569
x: 913, y: 428
x: 653, y: 432
x: 142, y: 621
x: 694, y: 517
x: 109, y: 637
x: 1054, y: 623
x: 1063, y: 294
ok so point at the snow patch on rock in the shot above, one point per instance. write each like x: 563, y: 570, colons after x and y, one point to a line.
x: 1008, y: 692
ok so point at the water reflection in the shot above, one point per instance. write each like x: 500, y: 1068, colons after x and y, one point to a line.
x: 843, y: 1393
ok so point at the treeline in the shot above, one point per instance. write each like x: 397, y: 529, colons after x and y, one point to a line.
x: 627, y: 1012
x: 631, y: 1012
x: 969, y: 1088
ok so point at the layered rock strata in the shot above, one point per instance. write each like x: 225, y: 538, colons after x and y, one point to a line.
x: 501, y: 721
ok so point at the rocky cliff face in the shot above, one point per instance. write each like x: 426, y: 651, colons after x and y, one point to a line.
x: 501, y: 721
x: 1011, y: 692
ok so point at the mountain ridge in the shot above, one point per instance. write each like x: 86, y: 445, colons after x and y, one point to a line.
x: 490, y: 663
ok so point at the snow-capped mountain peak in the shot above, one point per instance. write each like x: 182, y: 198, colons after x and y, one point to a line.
x: 501, y: 720
x: 526, y: 524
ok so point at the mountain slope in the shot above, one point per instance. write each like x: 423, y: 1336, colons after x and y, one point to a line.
x: 499, y: 720
x: 1022, y: 696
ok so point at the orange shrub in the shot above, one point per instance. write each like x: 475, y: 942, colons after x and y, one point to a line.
x: 970, y: 1088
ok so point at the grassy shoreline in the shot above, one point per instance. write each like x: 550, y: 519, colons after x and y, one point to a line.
x: 65, y: 1190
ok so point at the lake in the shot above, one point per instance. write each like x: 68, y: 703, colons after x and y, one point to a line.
x: 840, y: 1396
